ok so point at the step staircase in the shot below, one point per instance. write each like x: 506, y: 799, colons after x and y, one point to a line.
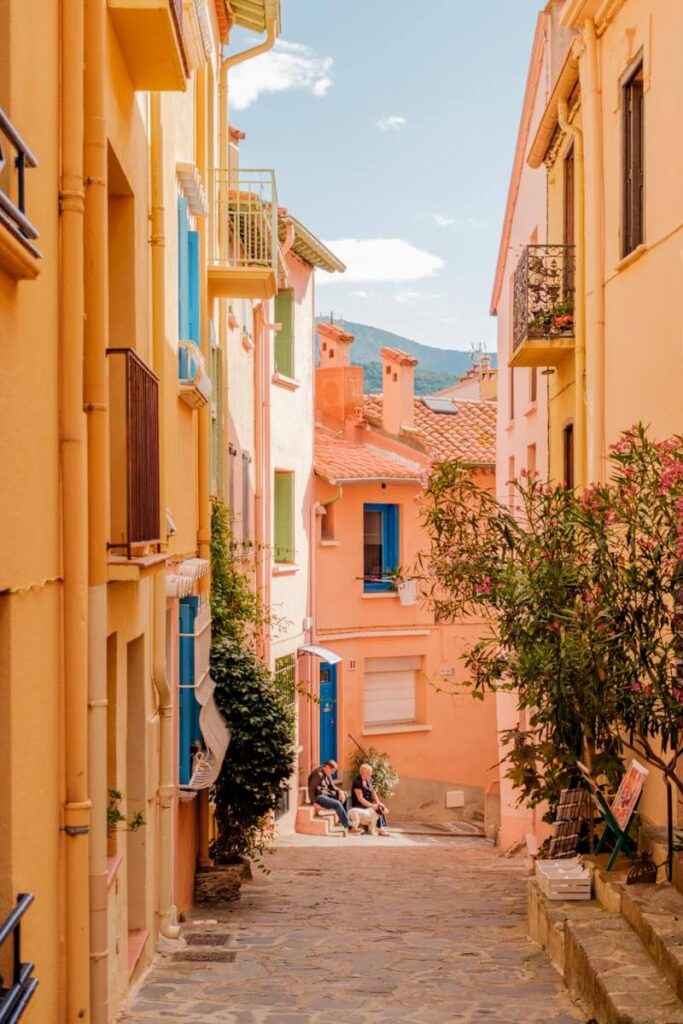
x: 621, y: 954
x: 312, y: 822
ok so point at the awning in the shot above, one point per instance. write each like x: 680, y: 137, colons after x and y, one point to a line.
x: 324, y: 653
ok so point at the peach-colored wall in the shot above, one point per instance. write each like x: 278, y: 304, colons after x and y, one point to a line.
x: 452, y: 744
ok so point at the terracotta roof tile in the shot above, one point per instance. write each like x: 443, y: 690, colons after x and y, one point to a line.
x: 341, y: 461
x: 469, y: 435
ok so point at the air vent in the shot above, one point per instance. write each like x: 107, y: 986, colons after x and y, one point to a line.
x: 440, y: 405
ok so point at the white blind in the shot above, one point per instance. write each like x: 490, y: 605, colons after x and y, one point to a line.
x: 390, y: 689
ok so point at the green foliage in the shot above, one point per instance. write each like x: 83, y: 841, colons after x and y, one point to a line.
x: 115, y: 817
x: 237, y: 611
x: 578, y: 594
x: 260, y: 758
x: 384, y: 778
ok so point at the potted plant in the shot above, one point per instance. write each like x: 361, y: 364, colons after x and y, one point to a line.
x: 405, y: 586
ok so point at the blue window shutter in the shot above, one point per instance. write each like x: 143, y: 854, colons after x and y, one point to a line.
x: 193, y: 286
x: 188, y: 706
x: 183, y: 272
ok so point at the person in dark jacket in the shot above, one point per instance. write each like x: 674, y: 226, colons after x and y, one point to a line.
x: 368, y: 809
x: 324, y: 792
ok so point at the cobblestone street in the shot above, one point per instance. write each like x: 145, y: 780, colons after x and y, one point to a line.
x: 363, y: 931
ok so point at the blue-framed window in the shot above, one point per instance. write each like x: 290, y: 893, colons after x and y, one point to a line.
x: 380, y: 546
x: 190, y: 734
x: 188, y: 284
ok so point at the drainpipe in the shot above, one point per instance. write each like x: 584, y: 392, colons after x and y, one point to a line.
x: 168, y: 926
x: 74, y: 517
x: 231, y: 62
x: 580, y: 299
x: 595, y: 378
x: 95, y: 368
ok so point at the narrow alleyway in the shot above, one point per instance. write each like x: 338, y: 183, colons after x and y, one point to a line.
x: 356, y: 931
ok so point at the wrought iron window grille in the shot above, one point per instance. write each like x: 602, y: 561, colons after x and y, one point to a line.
x: 13, y: 185
x: 543, y: 303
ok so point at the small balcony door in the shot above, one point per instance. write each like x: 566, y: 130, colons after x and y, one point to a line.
x: 328, y: 712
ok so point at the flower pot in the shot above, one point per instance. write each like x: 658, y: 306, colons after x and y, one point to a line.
x: 407, y: 592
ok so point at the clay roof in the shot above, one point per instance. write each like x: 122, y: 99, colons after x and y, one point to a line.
x: 307, y: 246
x: 341, y: 461
x: 469, y: 435
x: 396, y: 355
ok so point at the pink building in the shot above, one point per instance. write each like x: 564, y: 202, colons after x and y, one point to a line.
x: 522, y: 428
x: 396, y: 687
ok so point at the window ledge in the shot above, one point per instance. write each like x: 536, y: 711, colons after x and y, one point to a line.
x: 289, y: 383
x: 186, y: 795
x: 395, y: 727
x: 531, y: 408
x: 247, y: 343
x: 510, y: 426
x: 15, y: 257
x: 329, y: 543
x: 113, y: 865
x: 381, y: 595
x: 632, y: 257
x: 285, y: 569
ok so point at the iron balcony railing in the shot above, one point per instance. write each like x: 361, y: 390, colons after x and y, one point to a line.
x: 544, y: 293
x: 134, y: 420
x: 13, y: 184
x: 244, y: 219
x: 17, y: 990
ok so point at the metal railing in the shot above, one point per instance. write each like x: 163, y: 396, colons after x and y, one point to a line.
x: 16, y: 993
x: 543, y: 304
x: 13, y: 185
x: 244, y: 221
x: 135, y: 447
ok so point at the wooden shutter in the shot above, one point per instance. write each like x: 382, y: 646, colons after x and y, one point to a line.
x: 284, y: 339
x: 390, y: 689
x: 284, y: 517
x: 634, y: 163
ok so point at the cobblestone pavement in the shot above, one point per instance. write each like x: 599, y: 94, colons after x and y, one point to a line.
x: 364, y: 931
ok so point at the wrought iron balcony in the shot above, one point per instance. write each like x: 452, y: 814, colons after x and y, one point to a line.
x: 134, y: 447
x: 543, y: 307
x: 150, y: 33
x: 16, y: 991
x: 244, y: 234
x: 18, y: 251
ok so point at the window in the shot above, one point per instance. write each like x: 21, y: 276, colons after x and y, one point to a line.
x: 511, y: 481
x: 285, y: 675
x: 633, y: 167
x: 512, y: 393
x: 188, y: 277
x: 327, y: 524
x: 531, y: 458
x: 284, y: 517
x: 193, y: 665
x: 568, y: 455
x: 390, y: 688
x: 533, y: 384
x: 284, y: 339
x: 246, y: 498
x: 380, y: 546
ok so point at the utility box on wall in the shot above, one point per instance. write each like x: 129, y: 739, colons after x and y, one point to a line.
x: 455, y: 798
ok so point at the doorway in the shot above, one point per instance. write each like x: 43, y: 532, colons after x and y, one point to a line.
x: 328, y: 712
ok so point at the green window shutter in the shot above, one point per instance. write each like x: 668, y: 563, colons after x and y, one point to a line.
x: 284, y: 517
x: 284, y: 338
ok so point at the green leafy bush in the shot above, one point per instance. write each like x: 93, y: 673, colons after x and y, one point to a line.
x: 260, y: 758
x: 384, y: 778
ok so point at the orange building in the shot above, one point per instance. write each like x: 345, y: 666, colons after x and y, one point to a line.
x: 397, y: 685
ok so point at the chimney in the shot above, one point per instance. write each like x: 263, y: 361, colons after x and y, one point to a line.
x: 338, y: 385
x: 398, y: 390
x: 335, y: 346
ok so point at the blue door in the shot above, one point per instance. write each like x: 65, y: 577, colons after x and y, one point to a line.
x: 328, y: 712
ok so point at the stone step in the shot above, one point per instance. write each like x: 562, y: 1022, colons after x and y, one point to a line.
x: 656, y: 915
x: 308, y: 824
x: 609, y: 970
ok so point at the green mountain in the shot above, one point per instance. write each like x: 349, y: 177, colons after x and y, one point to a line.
x: 438, y: 367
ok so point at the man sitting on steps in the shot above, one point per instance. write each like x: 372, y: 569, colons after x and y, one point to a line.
x: 324, y: 792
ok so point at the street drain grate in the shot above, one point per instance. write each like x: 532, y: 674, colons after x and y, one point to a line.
x: 206, y: 939
x: 216, y: 956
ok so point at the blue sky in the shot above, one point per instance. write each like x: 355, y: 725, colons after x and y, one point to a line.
x: 386, y: 129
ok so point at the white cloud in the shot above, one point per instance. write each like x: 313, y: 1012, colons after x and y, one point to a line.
x: 382, y: 259
x: 392, y: 123
x: 360, y: 294
x: 287, y: 66
x: 443, y: 222
x: 409, y: 298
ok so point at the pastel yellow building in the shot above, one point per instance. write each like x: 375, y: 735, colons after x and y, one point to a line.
x: 599, y: 306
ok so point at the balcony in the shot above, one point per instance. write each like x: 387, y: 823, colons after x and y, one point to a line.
x: 134, y: 456
x: 18, y: 252
x: 193, y: 381
x: 244, y: 235
x: 150, y: 33
x: 18, y: 986
x: 543, y: 310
